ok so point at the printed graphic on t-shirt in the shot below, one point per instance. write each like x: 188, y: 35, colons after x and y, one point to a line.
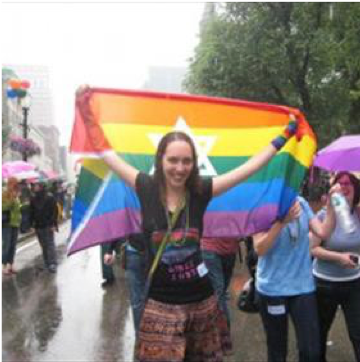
x: 179, y: 255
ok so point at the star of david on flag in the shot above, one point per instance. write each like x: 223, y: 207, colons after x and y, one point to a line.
x: 226, y: 133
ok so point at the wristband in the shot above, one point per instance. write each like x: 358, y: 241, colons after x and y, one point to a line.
x: 279, y: 141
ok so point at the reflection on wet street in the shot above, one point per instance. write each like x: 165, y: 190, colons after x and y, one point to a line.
x: 67, y: 316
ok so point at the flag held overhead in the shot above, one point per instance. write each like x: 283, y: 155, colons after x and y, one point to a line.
x: 226, y: 134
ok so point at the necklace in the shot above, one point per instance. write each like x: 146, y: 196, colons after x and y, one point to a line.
x: 185, y: 204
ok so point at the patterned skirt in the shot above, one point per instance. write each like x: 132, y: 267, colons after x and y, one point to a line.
x: 196, y: 332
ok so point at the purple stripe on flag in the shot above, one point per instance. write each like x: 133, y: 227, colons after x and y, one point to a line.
x: 114, y: 225
x: 240, y: 223
x: 107, y: 227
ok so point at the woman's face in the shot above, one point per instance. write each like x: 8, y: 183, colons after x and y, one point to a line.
x: 177, y: 164
x: 347, y: 188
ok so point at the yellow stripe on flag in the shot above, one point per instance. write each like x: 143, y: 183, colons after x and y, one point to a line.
x: 97, y: 167
x: 137, y: 139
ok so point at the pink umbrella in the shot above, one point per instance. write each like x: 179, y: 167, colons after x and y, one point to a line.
x: 12, y: 168
x: 4, y: 174
x: 28, y: 175
x: 50, y: 175
x: 341, y: 155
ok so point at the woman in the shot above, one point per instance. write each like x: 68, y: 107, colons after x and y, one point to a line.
x: 10, y: 226
x: 181, y: 319
x: 336, y: 270
x: 284, y: 281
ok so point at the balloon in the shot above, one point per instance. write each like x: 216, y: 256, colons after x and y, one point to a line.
x: 15, y: 83
x: 11, y: 93
x: 25, y: 84
x: 21, y: 93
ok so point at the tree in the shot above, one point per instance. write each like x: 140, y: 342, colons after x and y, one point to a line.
x: 305, y: 55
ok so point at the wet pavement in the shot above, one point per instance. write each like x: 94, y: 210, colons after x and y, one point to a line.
x: 67, y: 316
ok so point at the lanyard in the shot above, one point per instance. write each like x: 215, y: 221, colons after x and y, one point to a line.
x: 171, y: 225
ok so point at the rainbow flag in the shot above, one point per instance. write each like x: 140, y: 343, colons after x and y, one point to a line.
x: 226, y: 134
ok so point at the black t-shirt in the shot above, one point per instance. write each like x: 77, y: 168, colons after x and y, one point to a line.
x: 181, y: 276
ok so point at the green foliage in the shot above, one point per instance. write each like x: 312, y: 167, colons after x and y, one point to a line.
x: 305, y: 55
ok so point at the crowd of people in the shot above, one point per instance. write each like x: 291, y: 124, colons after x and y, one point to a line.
x: 36, y: 207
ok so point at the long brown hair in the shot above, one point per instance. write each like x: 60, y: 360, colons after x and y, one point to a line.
x: 194, y: 180
x: 11, y: 188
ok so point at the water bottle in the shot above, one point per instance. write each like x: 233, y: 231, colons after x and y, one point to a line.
x: 342, y: 211
x: 294, y: 230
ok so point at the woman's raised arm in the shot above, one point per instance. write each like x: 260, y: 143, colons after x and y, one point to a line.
x: 98, y: 139
x: 224, y: 182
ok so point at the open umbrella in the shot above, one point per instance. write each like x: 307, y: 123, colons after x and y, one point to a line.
x: 28, y: 175
x: 49, y: 175
x: 13, y: 168
x: 341, y: 155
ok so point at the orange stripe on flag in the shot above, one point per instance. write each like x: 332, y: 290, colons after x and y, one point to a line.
x: 151, y: 109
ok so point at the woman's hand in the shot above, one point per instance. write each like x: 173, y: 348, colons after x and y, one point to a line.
x: 95, y: 134
x: 83, y: 95
x: 346, y: 261
x: 109, y: 259
x: 334, y: 189
x: 264, y: 241
x: 292, y: 127
x: 82, y: 89
x: 293, y: 213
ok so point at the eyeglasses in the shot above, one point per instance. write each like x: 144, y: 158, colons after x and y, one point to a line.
x: 345, y: 184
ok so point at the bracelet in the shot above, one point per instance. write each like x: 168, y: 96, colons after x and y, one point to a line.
x: 279, y: 142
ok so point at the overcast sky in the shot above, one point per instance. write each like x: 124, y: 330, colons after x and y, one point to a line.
x: 107, y: 45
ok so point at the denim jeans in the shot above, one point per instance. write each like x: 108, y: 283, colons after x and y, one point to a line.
x: 220, y: 268
x: 46, y: 237
x: 302, y: 309
x: 25, y: 219
x: 135, y: 277
x: 9, y: 239
x: 331, y: 295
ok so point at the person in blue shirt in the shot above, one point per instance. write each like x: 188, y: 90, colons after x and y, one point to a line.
x: 285, y: 283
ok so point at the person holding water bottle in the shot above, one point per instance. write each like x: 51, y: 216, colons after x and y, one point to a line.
x: 336, y: 264
x: 284, y: 280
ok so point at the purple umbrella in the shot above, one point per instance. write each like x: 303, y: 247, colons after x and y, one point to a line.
x: 341, y: 155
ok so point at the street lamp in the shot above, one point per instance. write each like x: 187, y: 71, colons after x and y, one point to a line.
x: 25, y: 104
